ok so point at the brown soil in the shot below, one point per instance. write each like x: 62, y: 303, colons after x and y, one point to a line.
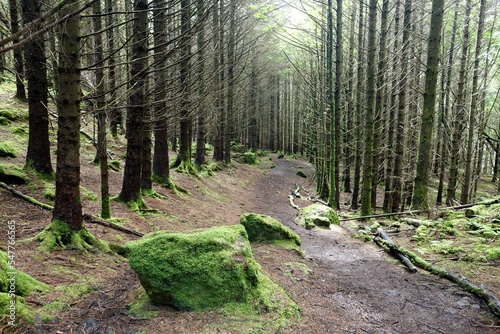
x: 353, y: 286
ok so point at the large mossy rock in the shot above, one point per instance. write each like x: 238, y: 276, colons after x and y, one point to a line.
x: 317, y: 214
x: 199, y: 270
x: 262, y: 228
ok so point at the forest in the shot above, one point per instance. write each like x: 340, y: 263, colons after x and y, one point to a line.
x: 388, y: 106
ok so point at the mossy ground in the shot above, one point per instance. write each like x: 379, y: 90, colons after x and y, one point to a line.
x: 10, y: 173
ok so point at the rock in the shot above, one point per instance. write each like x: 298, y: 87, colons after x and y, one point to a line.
x: 195, y: 271
x: 317, y: 214
x: 262, y: 228
x: 89, y: 326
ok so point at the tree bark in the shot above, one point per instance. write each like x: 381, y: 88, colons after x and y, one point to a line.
x: 420, y: 194
x: 68, y: 206
x: 131, y: 185
x: 18, y: 52
x: 38, y: 155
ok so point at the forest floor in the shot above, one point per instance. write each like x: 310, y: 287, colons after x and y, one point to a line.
x: 341, y: 284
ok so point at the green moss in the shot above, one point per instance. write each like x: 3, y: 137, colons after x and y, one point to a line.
x: 59, y: 235
x: 238, y: 148
x: 140, y: 306
x: 4, y: 121
x: 21, y: 130
x: 249, y: 158
x: 7, y: 149
x: 10, y: 173
x: 11, y: 115
x: 262, y: 228
x: 311, y: 216
x: 203, y: 269
x: 13, y: 285
x: 49, y: 191
x: 88, y: 195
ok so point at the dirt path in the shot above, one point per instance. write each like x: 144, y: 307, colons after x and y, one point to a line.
x: 352, y: 287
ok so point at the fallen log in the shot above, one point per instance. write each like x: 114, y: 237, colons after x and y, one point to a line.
x: 381, y: 233
x: 490, y: 298
x: 87, y: 217
x: 26, y: 198
x: 415, y: 222
x: 94, y: 220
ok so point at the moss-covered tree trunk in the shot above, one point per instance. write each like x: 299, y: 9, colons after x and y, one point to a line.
x: 131, y: 186
x: 68, y: 206
x: 201, y: 130
x: 38, y: 155
x: 115, y: 116
x: 420, y: 200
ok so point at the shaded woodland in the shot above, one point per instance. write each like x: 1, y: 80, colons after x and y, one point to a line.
x: 393, y: 101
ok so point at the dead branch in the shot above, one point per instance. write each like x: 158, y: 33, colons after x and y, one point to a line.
x: 381, y: 233
x: 94, y: 220
x: 487, y: 296
x: 295, y: 206
x: 26, y: 198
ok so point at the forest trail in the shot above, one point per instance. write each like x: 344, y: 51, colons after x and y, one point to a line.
x: 352, y: 287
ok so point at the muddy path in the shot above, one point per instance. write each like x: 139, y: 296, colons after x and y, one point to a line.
x: 353, y: 288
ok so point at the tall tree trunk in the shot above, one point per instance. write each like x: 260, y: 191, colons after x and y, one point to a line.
x: 388, y: 191
x: 445, y: 96
x: 218, y: 40
x: 464, y: 197
x: 115, y: 116
x: 38, y: 155
x: 359, y: 96
x: 102, y: 151
x: 201, y: 131
x: 459, y: 111
x: 183, y: 159
x: 397, y: 180
x: 380, y: 104
x: 161, y: 168
x: 131, y: 186
x: 350, y: 105
x: 420, y: 193
x: 335, y: 174
x: 330, y: 131
x: 18, y: 52
x: 68, y: 206
x: 366, y: 207
x: 228, y: 133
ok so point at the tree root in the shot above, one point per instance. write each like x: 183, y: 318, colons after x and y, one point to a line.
x: 58, y: 235
x: 490, y: 299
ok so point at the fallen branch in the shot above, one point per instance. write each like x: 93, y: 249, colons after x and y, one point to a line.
x: 490, y: 299
x: 410, y: 212
x: 94, y: 220
x: 295, y: 206
x: 26, y: 198
x: 415, y: 222
x: 87, y: 217
x: 381, y: 233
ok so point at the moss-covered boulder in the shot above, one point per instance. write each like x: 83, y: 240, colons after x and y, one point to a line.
x: 12, y: 174
x: 262, y: 228
x: 317, y: 214
x: 198, y: 270
x: 205, y: 269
